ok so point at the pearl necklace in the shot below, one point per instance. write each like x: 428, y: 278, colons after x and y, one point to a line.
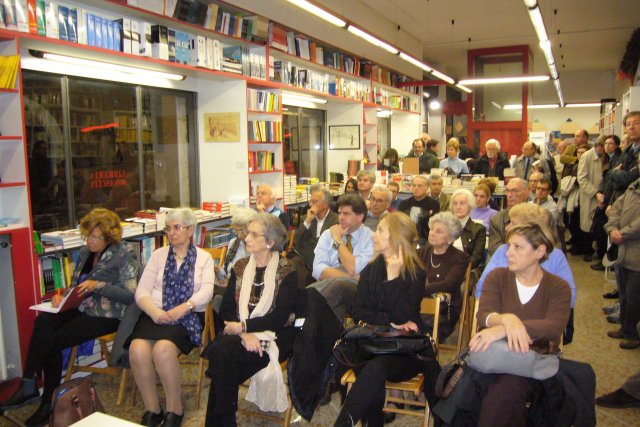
x: 432, y: 264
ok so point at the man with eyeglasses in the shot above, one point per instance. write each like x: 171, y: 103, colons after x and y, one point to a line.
x: 435, y: 191
x: 379, y: 202
x: 544, y: 200
x: 517, y: 192
x: 533, y: 181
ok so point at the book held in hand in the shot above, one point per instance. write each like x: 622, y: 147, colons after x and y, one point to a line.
x: 72, y: 299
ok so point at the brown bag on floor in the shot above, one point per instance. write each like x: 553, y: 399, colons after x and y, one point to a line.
x: 73, y: 401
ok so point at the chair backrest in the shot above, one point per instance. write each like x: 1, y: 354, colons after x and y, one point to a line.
x: 431, y: 305
x: 217, y: 254
x: 474, y: 318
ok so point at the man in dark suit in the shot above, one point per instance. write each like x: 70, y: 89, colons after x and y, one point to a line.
x: 318, y: 219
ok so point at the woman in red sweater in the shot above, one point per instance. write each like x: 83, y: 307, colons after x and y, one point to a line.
x: 521, y: 303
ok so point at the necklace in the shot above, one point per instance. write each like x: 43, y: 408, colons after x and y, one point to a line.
x: 432, y: 264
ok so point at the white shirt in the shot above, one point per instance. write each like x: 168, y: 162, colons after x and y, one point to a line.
x: 320, y: 224
x: 526, y: 292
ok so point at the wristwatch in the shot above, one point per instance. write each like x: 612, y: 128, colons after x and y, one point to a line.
x: 189, y: 306
x: 336, y: 244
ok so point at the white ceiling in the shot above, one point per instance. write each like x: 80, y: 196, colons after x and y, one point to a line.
x: 592, y: 33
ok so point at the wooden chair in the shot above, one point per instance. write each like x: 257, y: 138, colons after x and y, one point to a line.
x: 217, y: 254
x: 414, y: 385
x: 284, y: 420
x: 463, y: 314
x: 474, y: 317
x: 104, y: 341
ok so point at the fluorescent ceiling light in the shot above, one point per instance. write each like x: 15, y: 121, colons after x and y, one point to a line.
x: 410, y: 59
x: 464, y: 88
x: 531, y: 3
x: 538, y: 23
x: 435, y: 105
x: 426, y: 94
x: 371, y: 39
x: 583, y: 104
x: 443, y: 77
x: 501, y: 80
x: 320, y: 13
x: 288, y: 96
x: 495, y: 104
x: 102, y: 66
x: 530, y: 107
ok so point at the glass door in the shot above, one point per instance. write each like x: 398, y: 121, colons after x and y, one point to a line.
x: 304, y: 145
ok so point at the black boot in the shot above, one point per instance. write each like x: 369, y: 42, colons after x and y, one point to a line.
x: 149, y: 419
x: 27, y: 392
x: 172, y: 420
x: 40, y: 417
x: 344, y: 420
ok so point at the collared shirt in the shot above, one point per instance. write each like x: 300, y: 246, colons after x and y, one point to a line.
x: 551, y: 206
x: 327, y: 256
x: 556, y: 264
x: 320, y: 224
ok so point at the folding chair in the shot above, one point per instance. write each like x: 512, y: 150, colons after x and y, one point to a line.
x: 463, y: 314
x: 429, y: 306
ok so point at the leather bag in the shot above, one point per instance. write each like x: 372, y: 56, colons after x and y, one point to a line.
x: 73, y: 401
x: 451, y: 374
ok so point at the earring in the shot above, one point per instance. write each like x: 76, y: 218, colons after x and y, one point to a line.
x: 268, y: 247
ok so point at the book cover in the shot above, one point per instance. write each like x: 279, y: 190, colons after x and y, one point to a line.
x: 212, y: 16
x: 63, y: 21
x: 32, y: 16
x: 171, y: 43
x: 134, y: 36
x: 9, y: 10
x: 109, y: 26
x: 91, y: 30
x: 277, y: 37
x: 124, y: 25
x: 159, y: 42
x: 117, y: 36
x: 51, y: 20
x: 105, y: 34
x: 72, y: 299
x: 98, y: 31
x: 22, y: 15
x: 197, y: 51
x: 72, y: 25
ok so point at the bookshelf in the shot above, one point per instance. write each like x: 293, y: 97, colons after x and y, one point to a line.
x: 370, y: 132
x: 609, y: 122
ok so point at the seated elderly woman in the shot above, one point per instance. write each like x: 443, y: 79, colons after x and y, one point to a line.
x: 240, y: 219
x: 473, y: 238
x: 175, y: 288
x: 389, y: 292
x: 483, y: 212
x: 258, y: 333
x: 106, y: 272
x: 445, y: 267
x: 521, y: 303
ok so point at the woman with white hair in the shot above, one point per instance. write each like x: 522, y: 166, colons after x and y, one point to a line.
x: 175, y: 288
x: 445, y: 267
x: 473, y: 238
x: 493, y: 162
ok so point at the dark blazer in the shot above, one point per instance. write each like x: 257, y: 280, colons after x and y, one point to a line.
x: 305, y: 240
x: 473, y: 238
x: 483, y: 166
x: 497, y: 232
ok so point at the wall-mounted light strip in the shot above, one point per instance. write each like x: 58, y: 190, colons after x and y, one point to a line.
x: 503, y: 80
x: 371, y: 39
x: 320, y: 13
x: 411, y: 60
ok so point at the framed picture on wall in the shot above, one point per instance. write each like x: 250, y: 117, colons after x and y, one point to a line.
x: 344, y: 137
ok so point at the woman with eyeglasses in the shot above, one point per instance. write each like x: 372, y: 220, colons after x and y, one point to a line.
x: 175, y: 288
x: 258, y: 333
x: 105, y: 272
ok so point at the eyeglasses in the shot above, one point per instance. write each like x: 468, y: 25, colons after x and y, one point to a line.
x: 508, y: 190
x: 93, y: 238
x: 177, y: 227
x: 254, y: 235
x: 374, y: 200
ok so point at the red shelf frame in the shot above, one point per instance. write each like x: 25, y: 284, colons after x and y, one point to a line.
x: 265, y: 142
x: 12, y: 184
x: 263, y: 172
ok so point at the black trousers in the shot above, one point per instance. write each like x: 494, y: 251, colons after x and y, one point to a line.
x: 505, y: 403
x: 628, y: 282
x: 53, y: 333
x: 366, y: 397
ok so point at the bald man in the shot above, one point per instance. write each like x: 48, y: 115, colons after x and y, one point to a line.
x: 530, y: 161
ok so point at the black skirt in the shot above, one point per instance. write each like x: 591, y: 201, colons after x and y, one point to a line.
x: 147, y: 329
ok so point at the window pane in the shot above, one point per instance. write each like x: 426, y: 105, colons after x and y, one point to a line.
x: 104, y: 161
x: 45, y: 145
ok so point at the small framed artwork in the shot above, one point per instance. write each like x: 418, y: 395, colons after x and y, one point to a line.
x: 344, y: 137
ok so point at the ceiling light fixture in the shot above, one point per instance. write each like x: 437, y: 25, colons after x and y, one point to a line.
x: 435, y: 105
x: 371, y: 39
x: 583, y: 104
x: 410, y: 59
x: 503, y: 80
x: 463, y: 87
x: 443, y: 77
x: 530, y: 107
x: 320, y: 13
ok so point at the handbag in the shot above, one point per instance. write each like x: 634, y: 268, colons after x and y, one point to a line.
x: 363, y: 342
x: 73, y: 401
x: 499, y: 360
x: 451, y: 374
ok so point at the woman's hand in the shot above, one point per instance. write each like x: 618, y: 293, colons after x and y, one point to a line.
x: 87, y: 286
x: 232, y: 328
x: 517, y: 335
x: 178, y: 312
x: 216, y: 268
x: 162, y: 318
x: 394, y: 264
x: 251, y: 342
x: 408, y: 326
x: 480, y: 341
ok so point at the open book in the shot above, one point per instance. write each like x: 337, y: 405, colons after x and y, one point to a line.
x: 72, y: 299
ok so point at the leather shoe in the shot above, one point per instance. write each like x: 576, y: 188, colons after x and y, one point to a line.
x: 615, y: 308
x: 618, y: 399
x: 597, y: 267
x: 588, y: 257
x: 389, y: 417
x: 40, y: 417
x: 629, y: 344
x: 172, y: 420
x: 614, y: 318
x: 151, y: 419
x: 19, y: 399
x: 611, y: 295
x: 617, y: 333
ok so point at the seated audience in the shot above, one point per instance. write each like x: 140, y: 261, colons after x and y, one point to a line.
x: 419, y: 206
x: 394, y: 187
x: 483, y: 212
x: 175, y: 288
x: 427, y: 159
x: 435, y: 192
x: 517, y: 192
x: 390, y: 161
x: 366, y: 179
x: 473, y: 238
x: 351, y: 186
x: 266, y: 202
x: 445, y: 267
x: 379, y: 203
x: 256, y: 309
x: 105, y: 272
x: 318, y: 219
x: 389, y: 292
x: 493, y: 162
x: 521, y: 303
x: 544, y: 200
x: 452, y: 163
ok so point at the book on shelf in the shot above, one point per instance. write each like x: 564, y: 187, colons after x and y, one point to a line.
x: 73, y: 297
x: 277, y: 37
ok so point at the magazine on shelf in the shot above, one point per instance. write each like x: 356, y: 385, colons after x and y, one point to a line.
x: 72, y: 299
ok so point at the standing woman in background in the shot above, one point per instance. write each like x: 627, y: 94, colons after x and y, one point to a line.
x: 175, y: 288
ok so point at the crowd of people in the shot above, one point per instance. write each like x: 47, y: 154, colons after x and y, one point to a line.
x: 372, y: 257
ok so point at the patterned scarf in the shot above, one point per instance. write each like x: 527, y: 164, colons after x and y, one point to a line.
x: 177, y: 288
x: 231, y: 254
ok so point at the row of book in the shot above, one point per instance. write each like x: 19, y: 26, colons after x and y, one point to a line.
x: 265, y: 131
x: 261, y: 160
x: 393, y: 100
x: 263, y: 100
x: 9, y: 71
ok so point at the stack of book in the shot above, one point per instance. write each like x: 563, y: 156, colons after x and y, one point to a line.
x: 217, y: 209
x: 336, y: 177
x: 218, y: 237
x: 265, y: 131
x: 8, y: 71
x: 148, y: 225
x: 290, y: 189
x: 131, y: 229
x: 261, y: 160
x: 263, y: 100
x: 159, y: 217
x: 65, y: 238
x: 353, y: 166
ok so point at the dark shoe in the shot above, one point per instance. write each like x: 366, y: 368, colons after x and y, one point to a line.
x: 40, y: 417
x: 617, y: 333
x: 629, y: 344
x: 389, y: 417
x: 597, y: 267
x: 614, y: 318
x: 150, y: 419
x: 614, y: 309
x: 172, y: 420
x: 19, y: 399
x: 617, y: 400
x: 587, y: 258
x: 611, y: 295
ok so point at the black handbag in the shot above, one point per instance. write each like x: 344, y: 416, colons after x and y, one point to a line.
x: 361, y: 343
x: 451, y: 374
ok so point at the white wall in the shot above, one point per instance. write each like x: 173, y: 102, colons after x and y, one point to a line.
x: 552, y: 119
x: 343, y: 114
x: 405, y: 127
